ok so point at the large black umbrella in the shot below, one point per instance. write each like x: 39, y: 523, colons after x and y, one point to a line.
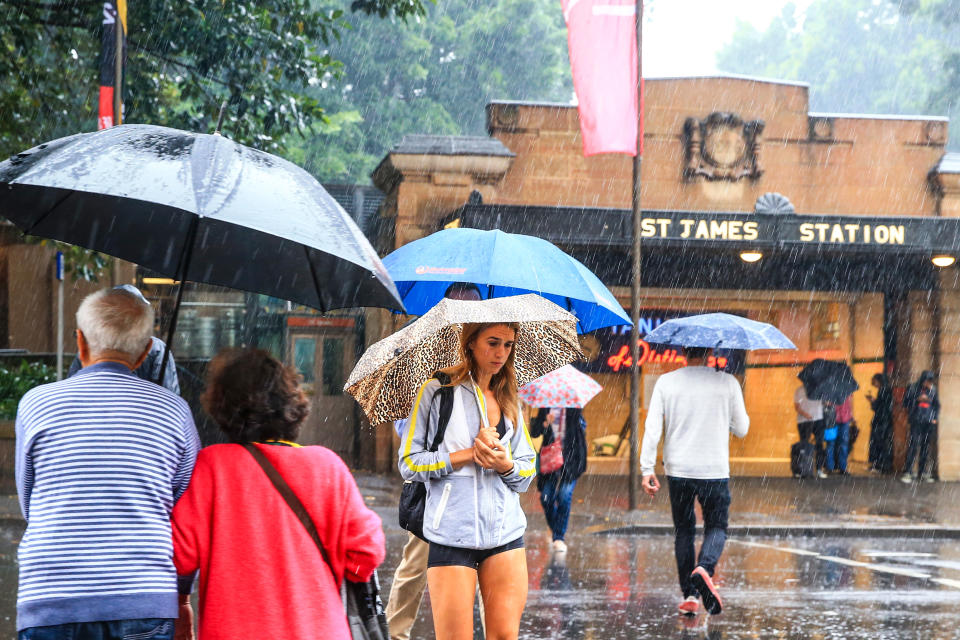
x: 828, y: 380
x: 197, y: 207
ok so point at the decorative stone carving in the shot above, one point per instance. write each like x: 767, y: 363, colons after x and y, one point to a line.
x: 503, y: 116
x: 821, y: 128
x: 773, y: 202
x: 935, y: 132
x: 722, y: 147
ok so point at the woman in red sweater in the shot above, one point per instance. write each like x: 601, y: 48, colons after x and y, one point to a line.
x: 261, y: 575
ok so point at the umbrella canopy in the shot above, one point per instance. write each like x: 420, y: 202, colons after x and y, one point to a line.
x: 501, y: 264
x: 828, y: 380
x: 196, y: 207
x: 388, y: 375
x: 719, y: 331
x: 565, y: 387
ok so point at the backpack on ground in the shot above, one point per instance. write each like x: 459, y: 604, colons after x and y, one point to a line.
x: 413, y: 498
x: 802, y: 458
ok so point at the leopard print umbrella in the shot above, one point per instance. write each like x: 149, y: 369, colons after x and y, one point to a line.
x: 386, y: 379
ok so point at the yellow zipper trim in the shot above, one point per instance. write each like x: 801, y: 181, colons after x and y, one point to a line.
x: 411, y: 429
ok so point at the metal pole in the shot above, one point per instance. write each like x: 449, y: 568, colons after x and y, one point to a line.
x: 59, y: 315
x: 635, y: 279
x: 118, y: 66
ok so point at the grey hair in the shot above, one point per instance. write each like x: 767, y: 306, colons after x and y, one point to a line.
x: 117, y: 320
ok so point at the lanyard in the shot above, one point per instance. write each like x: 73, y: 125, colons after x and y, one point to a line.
x: 481, y: 403
x: 283, y: 443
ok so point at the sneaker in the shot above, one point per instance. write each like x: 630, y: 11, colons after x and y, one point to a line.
x: 689, y: 606
x: 559, y: 546
x: 906, y: 478
x: 929, y: 479
x: 821, y: 473
x: 708, y: 593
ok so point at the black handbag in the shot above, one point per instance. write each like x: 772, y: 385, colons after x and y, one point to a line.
x: 413, y: 497
x: 361, y: 600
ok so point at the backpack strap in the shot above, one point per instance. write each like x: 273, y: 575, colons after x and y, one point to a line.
x: 445, y: 394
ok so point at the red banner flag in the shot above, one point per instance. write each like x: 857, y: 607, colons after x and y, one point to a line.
x: 602, y: 38
x: 108, y: 59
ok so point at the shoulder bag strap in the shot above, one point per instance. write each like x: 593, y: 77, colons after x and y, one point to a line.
x: 292, y: 501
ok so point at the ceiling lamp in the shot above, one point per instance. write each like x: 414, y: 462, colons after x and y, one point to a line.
x: 943, y: 260
x: 751, y: 256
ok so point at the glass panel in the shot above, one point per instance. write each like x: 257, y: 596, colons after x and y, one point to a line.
x: 304, y: 357
x: 333, y: 379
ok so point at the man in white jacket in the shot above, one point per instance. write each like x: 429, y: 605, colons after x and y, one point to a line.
x: 695, y: 408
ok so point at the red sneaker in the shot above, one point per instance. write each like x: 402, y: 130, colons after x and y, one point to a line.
x: 708, y: 593
x: 689, y: 606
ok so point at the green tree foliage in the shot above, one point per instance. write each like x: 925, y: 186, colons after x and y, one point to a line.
x: 16, y: 380
x: 859, y: 56
x: 434, y: 75
x: 945, y: 96
x: 183, y: 58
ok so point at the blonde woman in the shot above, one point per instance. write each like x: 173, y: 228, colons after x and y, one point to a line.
x: 473, y: 518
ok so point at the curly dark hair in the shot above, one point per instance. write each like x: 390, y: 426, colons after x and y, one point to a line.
x: 253, y: 397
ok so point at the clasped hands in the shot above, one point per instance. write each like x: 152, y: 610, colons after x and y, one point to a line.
x: 489, y: 453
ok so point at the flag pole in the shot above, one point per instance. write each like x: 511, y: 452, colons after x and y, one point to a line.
x: 635, y: 276
x: 118, y: 66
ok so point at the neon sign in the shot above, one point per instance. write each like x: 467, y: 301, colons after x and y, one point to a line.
x: 622, y: 359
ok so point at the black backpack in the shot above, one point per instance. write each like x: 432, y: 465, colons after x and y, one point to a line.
x: 413, y: 498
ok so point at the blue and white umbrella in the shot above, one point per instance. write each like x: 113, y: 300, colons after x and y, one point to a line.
x: 500, y: 265
x: 719, y: 331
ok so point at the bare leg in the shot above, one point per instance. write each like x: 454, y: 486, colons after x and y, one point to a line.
x: 503, y: 585
x: 451, y: 598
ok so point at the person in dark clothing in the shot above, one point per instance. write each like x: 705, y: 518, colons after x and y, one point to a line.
x: 922, y: 403
x: 880, y: 452
x: 556, y: 488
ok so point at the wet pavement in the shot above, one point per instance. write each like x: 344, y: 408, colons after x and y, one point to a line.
x: 618, y: 579
x: 614, y: 583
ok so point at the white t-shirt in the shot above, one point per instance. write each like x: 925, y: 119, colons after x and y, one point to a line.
x: 813, y: 407
x: 698, y: 407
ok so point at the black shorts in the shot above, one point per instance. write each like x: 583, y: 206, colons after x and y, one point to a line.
x: 443, y: 556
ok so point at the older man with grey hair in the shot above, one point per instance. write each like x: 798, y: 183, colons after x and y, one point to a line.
x: 149, y: 369
x: 101, y: 458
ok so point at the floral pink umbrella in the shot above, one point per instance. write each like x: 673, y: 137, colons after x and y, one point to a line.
x: 564, y: 387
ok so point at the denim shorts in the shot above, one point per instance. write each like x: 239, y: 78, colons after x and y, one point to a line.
x: 443, y: 556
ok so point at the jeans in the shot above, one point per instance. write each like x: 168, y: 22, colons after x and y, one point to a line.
x: 921, y: 433
x: 814, y: 428
x: 714, y: 498
x: 139, y: 629
x: 839, y: 450
x: 556, y: 498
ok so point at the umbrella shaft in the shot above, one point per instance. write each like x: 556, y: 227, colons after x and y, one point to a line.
x: 182, y: 271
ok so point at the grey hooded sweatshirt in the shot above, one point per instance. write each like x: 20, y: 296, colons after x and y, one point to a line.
x: 470, y: 507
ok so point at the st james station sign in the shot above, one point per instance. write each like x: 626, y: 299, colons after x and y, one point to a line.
x: 612, y: 228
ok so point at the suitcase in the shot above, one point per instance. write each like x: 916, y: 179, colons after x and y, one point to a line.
x: 802, y: 457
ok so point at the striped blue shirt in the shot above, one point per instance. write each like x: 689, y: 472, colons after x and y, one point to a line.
x: 101, y: 459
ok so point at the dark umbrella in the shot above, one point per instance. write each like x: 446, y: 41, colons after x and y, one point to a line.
x: 197, y: 207
x: 828, y: 380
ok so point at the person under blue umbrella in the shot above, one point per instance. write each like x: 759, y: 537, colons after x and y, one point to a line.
x: 695, y: 408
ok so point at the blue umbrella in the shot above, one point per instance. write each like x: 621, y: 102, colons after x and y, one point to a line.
x: 500, y: 264
x: 719, y: 330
